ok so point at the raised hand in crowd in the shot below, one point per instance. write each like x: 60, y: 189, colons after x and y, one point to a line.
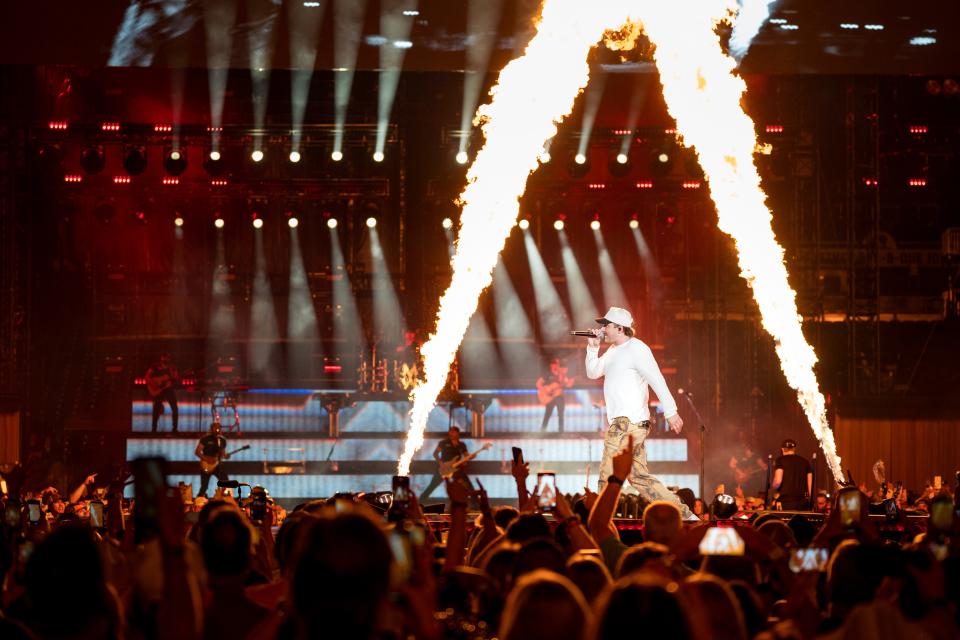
x: 601, y: 516
x: 520, y: 471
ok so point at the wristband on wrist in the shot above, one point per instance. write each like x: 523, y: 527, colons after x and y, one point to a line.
x: 612, y: 479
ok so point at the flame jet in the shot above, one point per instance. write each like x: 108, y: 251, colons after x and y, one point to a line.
x: 533, y: 93
x: 704, y: 95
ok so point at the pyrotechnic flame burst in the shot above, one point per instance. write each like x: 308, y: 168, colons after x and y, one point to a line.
x: 532, y: 94
x: 700, y: 91
x: 703, y: 95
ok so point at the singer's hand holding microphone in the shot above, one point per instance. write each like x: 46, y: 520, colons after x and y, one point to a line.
x: 592, y: 334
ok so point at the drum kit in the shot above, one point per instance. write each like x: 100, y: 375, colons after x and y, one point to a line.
x: 394, y: 375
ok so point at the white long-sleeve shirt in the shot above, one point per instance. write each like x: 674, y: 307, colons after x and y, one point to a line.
x: 629, y: 370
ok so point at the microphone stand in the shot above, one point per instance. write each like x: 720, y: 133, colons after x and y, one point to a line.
x: 702, y: 431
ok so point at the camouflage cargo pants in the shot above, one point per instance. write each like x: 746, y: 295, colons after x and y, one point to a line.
x: 640, y: 479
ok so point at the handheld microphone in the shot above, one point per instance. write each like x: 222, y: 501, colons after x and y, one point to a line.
x: 583, y: 334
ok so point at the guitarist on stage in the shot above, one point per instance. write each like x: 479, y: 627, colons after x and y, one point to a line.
x: 448, y: 450
x: 160, y: 378
x: 211, y: 450
x: 550, y: 390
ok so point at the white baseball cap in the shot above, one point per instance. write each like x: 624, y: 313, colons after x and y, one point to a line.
x: 617, y: 315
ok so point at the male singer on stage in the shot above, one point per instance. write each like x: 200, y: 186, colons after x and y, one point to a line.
x: 629, y: 370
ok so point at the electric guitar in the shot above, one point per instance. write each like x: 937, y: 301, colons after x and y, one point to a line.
x: 447, y: 469
x: 210, y: 463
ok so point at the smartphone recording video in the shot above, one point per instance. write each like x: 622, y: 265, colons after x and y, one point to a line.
x: 258, y: 506
x: 149, y: 488
x: 517, y: 455
x: 96, y: 514
x: 401, y: 491
x: 33, y: 512
x: 849, y: 504
x: 941, y: 514
x: 810, y: 559
x: 547, y: 490
x: 722, y: 541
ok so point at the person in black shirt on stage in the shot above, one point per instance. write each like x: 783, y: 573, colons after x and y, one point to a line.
x: 448, y: 450
x: 161, y: 378
x: 792, y: 479
x: 211, y: 449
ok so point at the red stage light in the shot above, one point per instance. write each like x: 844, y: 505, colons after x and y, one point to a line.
x: 332, y: 368
x: 918, y: 130
x: 214, y: 129
x: 162, y: 128
x: 870, y: 182
x: 622, y: 132
x: 596, y: 185
x: 917, y: 182
x: 121, y: 179
x: 645, y: 184
x: 110, y: 126
x: 670, y: 132
x: 774, y: 128
x: 171, y: 181
x: 58, y: 125
x: 691, y: 184
x: 218, y: 183
x: 73, y: 177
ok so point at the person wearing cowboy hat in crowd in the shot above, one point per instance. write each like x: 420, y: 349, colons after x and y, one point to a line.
x: 629, y: 370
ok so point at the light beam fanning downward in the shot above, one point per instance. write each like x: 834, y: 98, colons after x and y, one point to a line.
x: 532, y: 94
x: 703, y: 95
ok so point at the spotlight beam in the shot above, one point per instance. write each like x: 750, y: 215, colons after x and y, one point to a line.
x: 613, y: 293
x: 222, y: 319
x: 301, y: 315
x: 262, y: 17
x: 396, y: 28
x: 581, y: 301
x: 651, y: 272
x: 590, y: 108
x: 514, y: 333
x: 348, y: 25
x: 263, y: 333
x: 388, y: 321
x: 483, y: 16
x: 553, y: 317
x: 304, y: 32
x: 347, y: 324
x: 638, y: 97
x: 219, y: 17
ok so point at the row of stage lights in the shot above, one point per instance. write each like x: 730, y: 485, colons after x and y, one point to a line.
x: 332, y: 223
x: 175, y: 161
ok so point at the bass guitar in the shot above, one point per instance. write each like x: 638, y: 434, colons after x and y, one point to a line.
x: 447, y: 469
x: 210, y: 463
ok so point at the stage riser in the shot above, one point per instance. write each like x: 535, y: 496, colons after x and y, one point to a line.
x: 388, y: 449
x: 316, y: 486
x: 282, y: 411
